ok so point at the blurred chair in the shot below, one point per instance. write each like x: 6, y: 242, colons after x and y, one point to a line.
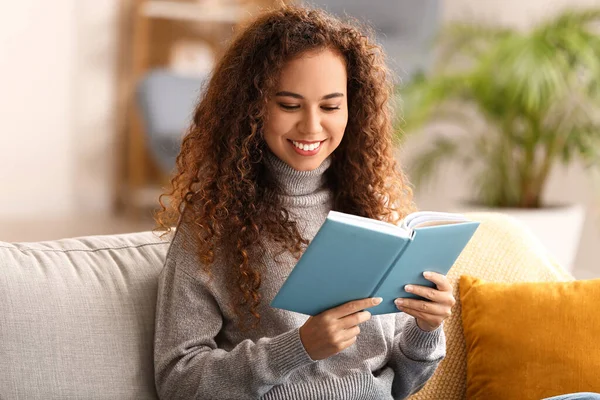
x: 404, y: 28
x: 166, y: 101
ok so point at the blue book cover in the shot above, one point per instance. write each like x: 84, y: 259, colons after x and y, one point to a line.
x: 353, y: 257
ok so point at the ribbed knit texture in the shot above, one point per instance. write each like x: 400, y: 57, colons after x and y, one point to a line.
x: 200, y: 354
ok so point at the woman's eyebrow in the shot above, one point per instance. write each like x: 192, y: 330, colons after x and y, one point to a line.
x: 297, y: 96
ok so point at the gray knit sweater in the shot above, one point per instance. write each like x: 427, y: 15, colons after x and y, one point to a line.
x: 199, y: 353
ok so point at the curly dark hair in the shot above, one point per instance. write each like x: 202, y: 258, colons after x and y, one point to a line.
x: 221, y: 177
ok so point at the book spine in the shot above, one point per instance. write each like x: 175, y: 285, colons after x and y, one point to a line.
x: 384, y: 277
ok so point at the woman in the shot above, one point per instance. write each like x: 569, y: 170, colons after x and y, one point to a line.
x: 295, y: 122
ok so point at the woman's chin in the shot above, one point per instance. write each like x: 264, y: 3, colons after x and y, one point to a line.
x: 305, y: 163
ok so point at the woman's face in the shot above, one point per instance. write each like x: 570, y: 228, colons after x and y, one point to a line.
x: 306, y: 118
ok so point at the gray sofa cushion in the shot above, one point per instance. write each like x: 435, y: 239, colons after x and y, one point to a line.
x: 77, y: 317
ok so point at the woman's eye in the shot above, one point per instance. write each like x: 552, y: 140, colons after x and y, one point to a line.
x: 287, y: 107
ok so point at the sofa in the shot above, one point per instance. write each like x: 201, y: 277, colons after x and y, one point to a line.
x: 77, y: 314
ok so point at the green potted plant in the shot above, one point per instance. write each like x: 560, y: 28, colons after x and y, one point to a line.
x: 537, y: 93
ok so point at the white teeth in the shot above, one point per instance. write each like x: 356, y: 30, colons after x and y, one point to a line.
x: 306, y: 147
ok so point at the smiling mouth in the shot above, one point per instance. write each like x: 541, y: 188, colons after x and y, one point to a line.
x: 305, y: 145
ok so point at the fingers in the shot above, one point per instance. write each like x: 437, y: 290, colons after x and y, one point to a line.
x: 335, y: 335
x: 348, y: 343
x: 335, y: 329
x: 429, y: 314
x: 350, y: 333
x: 354, y: 319
x: 352, y: 307
x: 425, y: 309
x: 440, y: 281
x: 431, y: 321
x: 443, y: 293
x: 436, y: 296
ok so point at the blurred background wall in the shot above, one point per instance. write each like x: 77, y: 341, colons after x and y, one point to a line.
x: 57, y: 107
x: 58, y: 74
x: 37, y: 66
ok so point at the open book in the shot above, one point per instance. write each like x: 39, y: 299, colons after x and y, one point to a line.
x: 353, y: 257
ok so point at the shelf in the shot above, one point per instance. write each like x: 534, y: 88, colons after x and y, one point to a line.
x: 150, y: 30
x: 180, y: 11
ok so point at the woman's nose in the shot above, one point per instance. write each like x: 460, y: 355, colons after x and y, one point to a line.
x: 311, y: 123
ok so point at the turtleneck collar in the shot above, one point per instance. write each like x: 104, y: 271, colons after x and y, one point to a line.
x: 300, y: 188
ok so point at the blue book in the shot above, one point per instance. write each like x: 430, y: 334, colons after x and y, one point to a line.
x: 353, y: 257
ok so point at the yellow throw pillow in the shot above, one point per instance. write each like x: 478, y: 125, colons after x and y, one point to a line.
x: 531, y: 340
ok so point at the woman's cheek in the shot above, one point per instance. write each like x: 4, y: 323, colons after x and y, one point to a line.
x: 281, y: 124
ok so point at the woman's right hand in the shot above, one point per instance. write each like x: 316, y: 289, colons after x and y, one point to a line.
x: 335, y: 329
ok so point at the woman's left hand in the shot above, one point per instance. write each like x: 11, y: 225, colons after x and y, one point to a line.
x: 429, y: 314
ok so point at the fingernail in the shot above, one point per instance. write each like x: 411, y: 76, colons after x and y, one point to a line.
x: 377, y: 300
x: 408, y: 288
x: 399, y: 302
x: 427, y: 274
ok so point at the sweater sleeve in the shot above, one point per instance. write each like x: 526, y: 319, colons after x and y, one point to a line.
x: 188, y: 363
x: 415, y: 355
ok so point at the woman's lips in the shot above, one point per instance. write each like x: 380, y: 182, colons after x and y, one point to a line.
x: 303, y: 152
